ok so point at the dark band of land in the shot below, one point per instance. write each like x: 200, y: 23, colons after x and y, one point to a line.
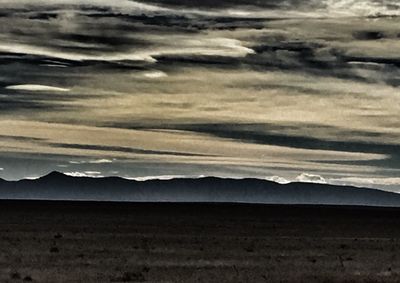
x: 53, y: 241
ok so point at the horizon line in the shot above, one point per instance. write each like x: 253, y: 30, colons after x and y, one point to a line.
x: 194, y: 177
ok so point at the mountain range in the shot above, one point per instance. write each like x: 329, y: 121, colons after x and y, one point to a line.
x: 58, y: 186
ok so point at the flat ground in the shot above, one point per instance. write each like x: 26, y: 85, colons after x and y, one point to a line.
x: 104, y: 242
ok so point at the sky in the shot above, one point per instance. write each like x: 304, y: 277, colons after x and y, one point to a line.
x: 284, y: 90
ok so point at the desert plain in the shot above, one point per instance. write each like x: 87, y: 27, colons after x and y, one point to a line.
x: 61, y: 241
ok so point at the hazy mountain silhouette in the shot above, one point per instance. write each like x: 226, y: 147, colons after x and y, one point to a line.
x: 57, y: 186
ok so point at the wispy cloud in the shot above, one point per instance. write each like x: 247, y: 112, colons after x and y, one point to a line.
x: 310, y: 178
x: 95, y: 161
x: 92, y: 174
x: 277, y: 179
x: 163, y: 177
x: 100, y: 161
x: 155, y: 75
x: 367, y: 181
x: 33, y: 87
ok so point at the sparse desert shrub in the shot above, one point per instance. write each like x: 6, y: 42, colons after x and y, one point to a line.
x: 15, y: 275
x: 312, y: 260
x: 58, y: 236
x: 54, y: 250
x: 249, y: 249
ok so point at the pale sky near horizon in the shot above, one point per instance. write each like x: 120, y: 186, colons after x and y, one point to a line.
x: 304, y: 90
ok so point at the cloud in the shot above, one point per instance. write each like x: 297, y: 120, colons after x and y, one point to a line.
x: 33, y: 87
x: 96, y: 147
x: 277, y: 179
x: 32, y: 177
x: 162, y: 177
x: 179, y: 45
x: 95, y: 161
x: 366, y: 181
x: 121, y: 5
x: 92, y: 174
x: 295, y: 135
x: 226, y: 64
x: 1, y: 169
x: 155, y: 75
x: 54, y: 66
x: 77, y: 162
x: 100, y: 161
x: 303, y: 177
x: 310, y: 178
x: 62, y: 165
x: 362, y: 7
x: 45, y: 51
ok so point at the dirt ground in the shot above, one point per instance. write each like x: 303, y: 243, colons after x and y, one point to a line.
x: 105, y: 242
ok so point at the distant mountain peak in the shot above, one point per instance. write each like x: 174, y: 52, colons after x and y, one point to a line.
x: 54, y: 175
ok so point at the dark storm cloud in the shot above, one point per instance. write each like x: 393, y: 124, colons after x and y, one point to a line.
x: 103, y: 39
x: 41, y: 66
x: 210, y: 4
x: 290, y: 136
x: 176, y: 61
x: 296, y: 57
x: 115, y: 31
x: 121, y: 149
x: 291, y: 89
x: 280, y: 53
x: 259, y: 133
x: 43, y: 16
x: 317, y: 58
x: 43, y: 97
x: 21, y: 138
x: 368, y: 35
x: 90, y: 41
x: 11, y: 105
x: 5, y: 14
x: 9, y: 58
x: 23, y: 100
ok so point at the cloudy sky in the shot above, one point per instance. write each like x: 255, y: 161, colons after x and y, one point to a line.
x: 305, y: 90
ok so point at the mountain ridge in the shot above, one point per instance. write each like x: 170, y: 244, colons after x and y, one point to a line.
x: 59, y: 186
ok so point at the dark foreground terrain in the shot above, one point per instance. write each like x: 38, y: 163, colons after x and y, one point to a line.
x: 122, y: 242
